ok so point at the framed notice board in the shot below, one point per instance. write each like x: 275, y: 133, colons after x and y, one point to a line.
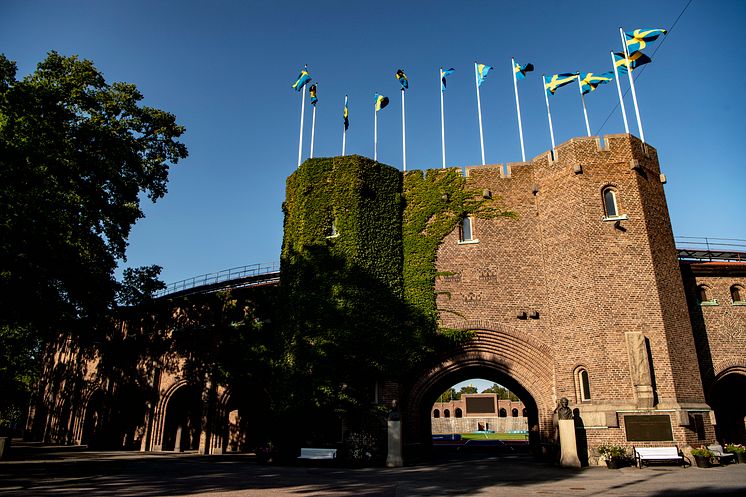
x: 648, y: 428
x: 480, y: 405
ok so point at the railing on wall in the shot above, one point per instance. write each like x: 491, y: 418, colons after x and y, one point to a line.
x: 252, y: 274
x: 702, y: 248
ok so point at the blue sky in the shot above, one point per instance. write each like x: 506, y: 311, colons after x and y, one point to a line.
x: 225, y: 69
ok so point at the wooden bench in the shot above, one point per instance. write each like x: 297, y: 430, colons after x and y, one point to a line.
x: 647, y: 455
x: 317, y: 454
x: 720, y: 455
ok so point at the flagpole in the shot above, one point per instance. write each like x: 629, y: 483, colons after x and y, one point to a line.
x: 442, y: 121
x: 403, y: 133
x: 344, y: 131
x: 375, y: 133
x: 518, y: 108
x: 585, y: 112
x: 479, y: 109
x: 619, y: 91
x: 313, y: 125
x: 302, y: 112
x: 549, y: 114
x: 632, y: 85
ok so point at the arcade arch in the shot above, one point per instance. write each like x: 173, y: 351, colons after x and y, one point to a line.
x: 727, y: 396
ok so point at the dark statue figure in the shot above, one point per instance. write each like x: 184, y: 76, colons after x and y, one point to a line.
x: 563, y: 411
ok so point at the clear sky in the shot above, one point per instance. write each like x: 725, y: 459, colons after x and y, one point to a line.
x: 224, y: 68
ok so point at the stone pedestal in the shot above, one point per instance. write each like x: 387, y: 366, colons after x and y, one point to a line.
x: 568, y: 445
x: 394, y: 458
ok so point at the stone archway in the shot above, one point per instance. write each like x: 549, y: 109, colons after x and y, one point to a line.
x: 178, y: 418
x: 518, y: 363
x: 727, y: 396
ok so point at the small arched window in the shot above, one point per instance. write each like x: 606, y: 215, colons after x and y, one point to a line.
x: 514, y: 412
x: 466, y: 230
x: 584, y: 385
x: 446, y: 413
x: 704, y: 294
x: 458, y: 412
x: 611, y: 208
x: 525, y: 413
x: 503, y: 413
x: 436, y: 413
x: 737, y: 294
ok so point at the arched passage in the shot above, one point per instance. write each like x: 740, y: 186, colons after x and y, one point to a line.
x: 182, y: 424
x: 523, y: 367
x: 728, y: 399
x: 92, y: 433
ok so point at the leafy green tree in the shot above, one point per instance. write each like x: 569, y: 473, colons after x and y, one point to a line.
x: 77, y: 154
x: 501, y: 392
x: 467, y: 389
x: 448, y: 395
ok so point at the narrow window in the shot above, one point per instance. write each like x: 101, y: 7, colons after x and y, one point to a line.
x: 514, y: 412
x: 503, y: 413
x: 525, y: 413
x: 466, y: 232
x: 436, y: 413
x: 446, y: 413
x: 459, y: 413
x: 737, y: 293
x: 585, y: 385
x: 610, y: 203
x: 703, y: 293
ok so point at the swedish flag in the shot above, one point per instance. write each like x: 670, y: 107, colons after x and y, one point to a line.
x: 403, y: 81
x: 482, y: 70
x: 520, y: 71
x: 639, y: 38
x: 381, y: 102
x: 636, y: 59
x: 443, y: 74
x: 590, y: 81
x: 312, y: 92
x: 303, y: 78
x: 558, y: 81
x: 345, y: 115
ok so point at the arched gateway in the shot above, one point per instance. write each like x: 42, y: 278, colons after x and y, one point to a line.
x: 523, y: 367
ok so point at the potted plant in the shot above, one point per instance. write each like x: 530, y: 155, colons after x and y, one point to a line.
x: 615, y: 456
x: 737, y: 449
x: 703, y: 457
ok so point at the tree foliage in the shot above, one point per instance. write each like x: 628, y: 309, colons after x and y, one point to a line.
x: 77, y: 154
x: 502, y: 392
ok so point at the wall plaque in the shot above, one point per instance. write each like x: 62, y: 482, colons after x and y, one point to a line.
x: 648, y: 428
x: 480, y: 405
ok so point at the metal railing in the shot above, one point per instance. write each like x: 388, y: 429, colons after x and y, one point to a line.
x: 270, y: 269
x: 711, y: 249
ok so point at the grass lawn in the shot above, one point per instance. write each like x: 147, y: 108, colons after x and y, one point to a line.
x: 493, y: 436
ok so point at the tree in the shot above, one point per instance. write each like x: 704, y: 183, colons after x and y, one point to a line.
x: 467, y: 389
x: 76, y: 154
x: 448, y: 395
x: 501, y: 392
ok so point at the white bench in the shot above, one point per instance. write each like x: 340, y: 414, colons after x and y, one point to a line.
x: 646, y: 455
x: 317, y: 454
x: 721, y: 456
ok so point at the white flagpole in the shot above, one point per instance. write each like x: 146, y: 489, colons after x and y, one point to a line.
x: 585, y: 112
x: 619, y: 91
x: 344, y: 131
x: 375, y: 133
x: 632, y: 85
x: 442, y: 120
x: 549, y: 114
x: 479, y: 110
x: 403, y: 133
x: 302, y: 112
x: 313, y: 125
x: 518, y: 108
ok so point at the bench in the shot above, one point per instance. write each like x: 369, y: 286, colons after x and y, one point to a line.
x: 317, y: 454
x: 721, y: 456
x: 647, y: 455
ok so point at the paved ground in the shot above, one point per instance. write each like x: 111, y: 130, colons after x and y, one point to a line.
x: 46, y: 471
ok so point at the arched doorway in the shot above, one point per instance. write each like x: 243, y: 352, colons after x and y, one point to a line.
x: 728, y: 400
x: 525, y: 368
x: 93, y: 422
x: 182, y: 425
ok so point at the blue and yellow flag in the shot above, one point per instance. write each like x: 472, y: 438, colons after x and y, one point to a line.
x: 639, y: 38
x: 345, y: 115
x: 558, y: 81
x: 443, y: 74
x: 590, y: 81
x: 381, y: 102
x: 303, y: 78
x: 403, y: 81
x: 482, y: 70
x: 312, y: 92
x: 520, y: 71
x: 636, y: 59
